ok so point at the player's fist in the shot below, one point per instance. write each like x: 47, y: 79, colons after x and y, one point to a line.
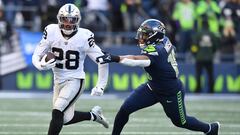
x: 97, y: 91
x: 45, y: 65
x: 107, y: 58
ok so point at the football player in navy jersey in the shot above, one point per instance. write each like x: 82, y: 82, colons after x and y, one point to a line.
x: 163, y: 85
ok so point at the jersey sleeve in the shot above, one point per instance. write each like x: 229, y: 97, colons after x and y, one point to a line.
x: 103, y: 69
x: 44, y: 44
x: 41, y: 48
x: 93, y: 50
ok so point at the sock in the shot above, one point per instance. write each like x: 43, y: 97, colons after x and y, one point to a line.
x: 56, y: 122
x: 93, y: 116
x: 196, y: 125
x: 210, y: 128
x: 79, y: 116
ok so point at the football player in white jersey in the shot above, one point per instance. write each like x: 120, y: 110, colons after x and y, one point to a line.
x: 70, y: 44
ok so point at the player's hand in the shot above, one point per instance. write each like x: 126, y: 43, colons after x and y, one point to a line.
x: 47, y: 65
x: 107, y: 58
x: 97, y: 91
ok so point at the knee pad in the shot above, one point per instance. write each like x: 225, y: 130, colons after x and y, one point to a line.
x: 178, y: 123
x: 61, y: 104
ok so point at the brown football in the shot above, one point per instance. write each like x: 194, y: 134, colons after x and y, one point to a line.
x: 50, y: 56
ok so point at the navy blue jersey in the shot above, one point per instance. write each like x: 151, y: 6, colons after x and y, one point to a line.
x: 163, y: 70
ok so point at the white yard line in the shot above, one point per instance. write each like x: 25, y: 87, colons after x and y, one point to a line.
x: 107, y: 133
x: 132, y: 125
x: 5, y: 94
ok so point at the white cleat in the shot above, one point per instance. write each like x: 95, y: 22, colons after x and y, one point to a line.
x: 97, y: 110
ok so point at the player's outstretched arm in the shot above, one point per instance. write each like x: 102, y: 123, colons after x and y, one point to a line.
x: 103, y: 71
x: 129, y: 60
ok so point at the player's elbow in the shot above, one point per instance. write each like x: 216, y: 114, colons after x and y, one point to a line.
x: 106, y: 65
x: 103, y: 67
x: 36, y: 62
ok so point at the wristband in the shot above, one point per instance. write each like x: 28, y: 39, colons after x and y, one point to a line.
x: 115, y: 58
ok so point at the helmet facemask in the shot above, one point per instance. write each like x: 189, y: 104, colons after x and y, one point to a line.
x: 142, y: 38
x: 68, y: 24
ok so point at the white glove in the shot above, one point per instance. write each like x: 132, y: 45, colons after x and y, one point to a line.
x: 97, y: 91
x: 47, y: 65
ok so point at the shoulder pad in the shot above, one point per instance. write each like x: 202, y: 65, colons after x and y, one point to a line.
x: 51, y: 28
x: 90, y: 37
x: 150, y: 49
x: 86, y: 32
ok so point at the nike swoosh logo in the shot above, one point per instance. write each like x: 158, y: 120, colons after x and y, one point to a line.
x: 100, y: 117
x: 168, y: 101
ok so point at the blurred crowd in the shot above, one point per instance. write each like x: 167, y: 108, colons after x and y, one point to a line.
x: 184, y: 19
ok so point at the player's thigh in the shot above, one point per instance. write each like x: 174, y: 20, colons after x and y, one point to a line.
x: 140, y: 98
x: 56, y: 90
x: 69, y: 94
x: 174, y: 107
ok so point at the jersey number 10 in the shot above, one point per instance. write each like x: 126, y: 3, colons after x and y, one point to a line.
x: 72, y: 58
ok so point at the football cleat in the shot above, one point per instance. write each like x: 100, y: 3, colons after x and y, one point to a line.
x: 97, y: 110
x: 214, y: 129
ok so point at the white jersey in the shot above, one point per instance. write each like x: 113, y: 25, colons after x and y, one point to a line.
x: 70, y: 53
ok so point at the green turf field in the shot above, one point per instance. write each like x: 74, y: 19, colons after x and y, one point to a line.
x: 32, y: 116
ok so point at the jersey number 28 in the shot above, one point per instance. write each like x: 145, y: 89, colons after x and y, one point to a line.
x: 72, y: 58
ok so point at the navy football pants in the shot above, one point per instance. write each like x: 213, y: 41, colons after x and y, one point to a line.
x: 173, y: 106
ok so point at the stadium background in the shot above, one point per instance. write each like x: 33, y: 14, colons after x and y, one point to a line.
x: 114, y: 23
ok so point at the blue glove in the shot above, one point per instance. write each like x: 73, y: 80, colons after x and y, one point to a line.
x: 107, y: 58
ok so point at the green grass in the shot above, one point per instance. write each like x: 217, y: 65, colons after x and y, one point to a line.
x: 32, y: 116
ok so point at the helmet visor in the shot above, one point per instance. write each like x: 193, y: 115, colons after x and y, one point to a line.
x: 68, y: 20
x: 68, y: 23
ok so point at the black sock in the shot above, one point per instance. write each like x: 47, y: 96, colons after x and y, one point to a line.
x: 79, y: 116
x: 56, y: 122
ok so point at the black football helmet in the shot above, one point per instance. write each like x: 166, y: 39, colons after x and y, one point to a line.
x: 151, y: 31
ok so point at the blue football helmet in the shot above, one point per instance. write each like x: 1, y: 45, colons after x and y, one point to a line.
x: 150, y: 32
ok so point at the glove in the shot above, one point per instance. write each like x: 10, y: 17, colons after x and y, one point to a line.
x: 97, y: 91
x: 107, y: 58
x: 47, y: 65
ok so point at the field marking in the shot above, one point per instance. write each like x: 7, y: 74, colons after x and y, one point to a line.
x: 107, y: 133
x: 5, y: 94
x: 153, y: 113
x: 128, y: 125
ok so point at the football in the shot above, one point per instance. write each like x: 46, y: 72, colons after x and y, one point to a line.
x: 50, y: 56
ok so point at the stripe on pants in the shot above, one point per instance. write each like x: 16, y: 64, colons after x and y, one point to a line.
x: 71, y: 102
x: 180, y: 108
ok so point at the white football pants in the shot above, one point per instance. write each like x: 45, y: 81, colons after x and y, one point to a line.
x: 65, y: 95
